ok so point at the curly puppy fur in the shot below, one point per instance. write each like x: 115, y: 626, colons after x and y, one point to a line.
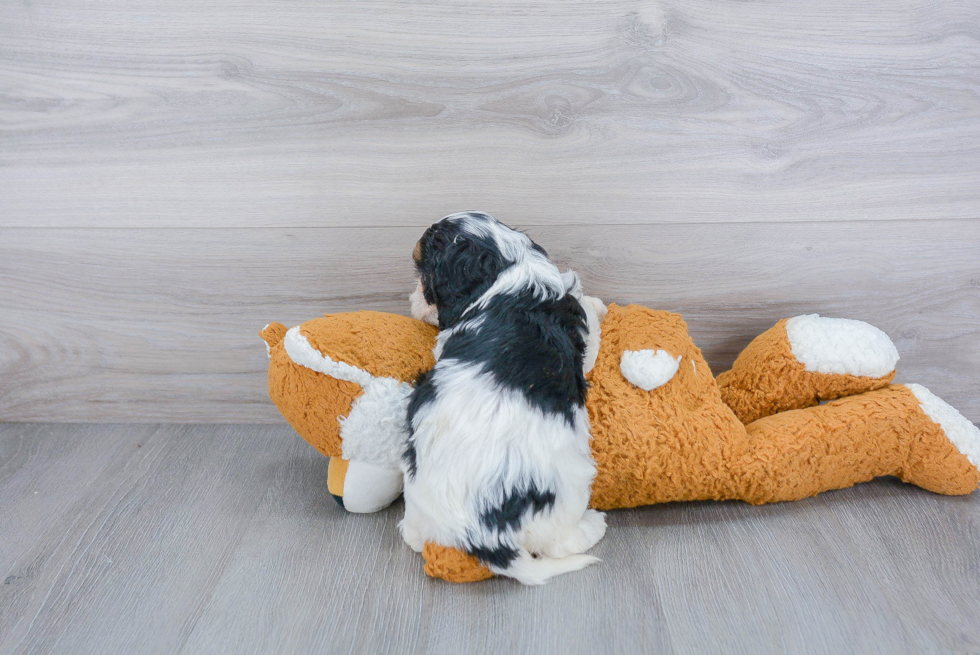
x: 498, y: 462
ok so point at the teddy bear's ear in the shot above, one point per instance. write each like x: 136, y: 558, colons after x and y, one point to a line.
x: 648, y: 369
x: 384, y: 345
x: 300, y: 350
x: 272, y: 334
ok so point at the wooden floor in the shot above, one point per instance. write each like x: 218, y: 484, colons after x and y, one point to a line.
x: 223, y: 539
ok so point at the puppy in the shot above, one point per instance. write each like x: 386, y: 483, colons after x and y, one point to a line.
x: 497, y: 461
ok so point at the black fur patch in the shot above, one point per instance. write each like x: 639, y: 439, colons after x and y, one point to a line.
x: 423, y: 394
x: 411, y: 459
x: 500, y: 556
x: 531, y: 346
x: 456, y: 268
x: 509, y: 514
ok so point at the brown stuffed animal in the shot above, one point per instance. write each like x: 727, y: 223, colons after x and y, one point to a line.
x: 663, y: 427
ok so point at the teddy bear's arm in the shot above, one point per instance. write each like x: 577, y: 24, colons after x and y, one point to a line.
x: 362, y: 487
x: 806, y: 359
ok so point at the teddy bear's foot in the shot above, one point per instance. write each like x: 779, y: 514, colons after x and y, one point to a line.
x: 806, y: 359
x: 453, y: 565
x: 945, y: 453
x: 904, y: 431
x: 361, y: 487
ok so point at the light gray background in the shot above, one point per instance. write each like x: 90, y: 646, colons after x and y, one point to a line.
x: 174, y: 175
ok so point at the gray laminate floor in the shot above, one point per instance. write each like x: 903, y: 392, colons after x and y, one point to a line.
x: 206, y: 538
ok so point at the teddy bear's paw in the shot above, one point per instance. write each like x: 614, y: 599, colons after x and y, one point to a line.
x: 806, y: 359
x: 841, y: 346
x: 597, y: 306
x: 362, y: 487
x: 960, y: 432
x: 453, y: 565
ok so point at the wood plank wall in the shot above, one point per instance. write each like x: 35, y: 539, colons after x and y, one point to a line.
x: 175, y: 174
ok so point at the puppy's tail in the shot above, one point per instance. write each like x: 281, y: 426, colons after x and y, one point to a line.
x: 537, y: 570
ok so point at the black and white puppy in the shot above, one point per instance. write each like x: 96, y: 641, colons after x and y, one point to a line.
x: 498, y: 461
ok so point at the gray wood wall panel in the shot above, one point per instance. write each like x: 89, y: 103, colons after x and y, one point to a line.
x: 139, y: 324
x: 224, y: 539
x: 252, y: 113
x: 173, y: 175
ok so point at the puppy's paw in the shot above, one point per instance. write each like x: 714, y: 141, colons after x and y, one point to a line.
x: 412, y: 536
x: 593, y: 527
x: 586, y: 534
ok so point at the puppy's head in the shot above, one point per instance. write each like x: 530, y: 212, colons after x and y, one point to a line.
x: 460, y: 258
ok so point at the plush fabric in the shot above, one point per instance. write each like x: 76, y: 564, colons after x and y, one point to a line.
x: 766, y: 378
x: 452, y: 564
x: 671, y: 443
x: 757, y: 433
x: 383, y: 345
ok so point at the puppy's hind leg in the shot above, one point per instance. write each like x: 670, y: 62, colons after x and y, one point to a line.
x: 410, y: 532
x: 586, y: 534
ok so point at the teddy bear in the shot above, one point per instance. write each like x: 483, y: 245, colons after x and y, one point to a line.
x: 808, y: 406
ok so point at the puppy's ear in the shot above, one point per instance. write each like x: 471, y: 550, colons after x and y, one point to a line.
x: 463, y: 270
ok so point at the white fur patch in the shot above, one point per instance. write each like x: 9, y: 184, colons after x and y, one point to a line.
x: 960, y: 432
x: 840, y: 345
x: 648, y: 369
x: 370, y: 488
x: 422, y: 310
x: 375, y: 429
x: 595, y: 311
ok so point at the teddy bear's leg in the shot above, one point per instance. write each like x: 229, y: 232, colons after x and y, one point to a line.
x: 361, y: 487
x: 899, y: 430
x: 806, y: 359
x: 453, y: 565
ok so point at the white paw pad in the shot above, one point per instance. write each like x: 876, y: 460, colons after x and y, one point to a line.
x: 960, y: 432
x: 841, y: 345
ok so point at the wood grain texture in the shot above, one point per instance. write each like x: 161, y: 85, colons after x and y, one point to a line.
x: 140, y: 324
x: 224, y: 539
x: 385, y: 113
